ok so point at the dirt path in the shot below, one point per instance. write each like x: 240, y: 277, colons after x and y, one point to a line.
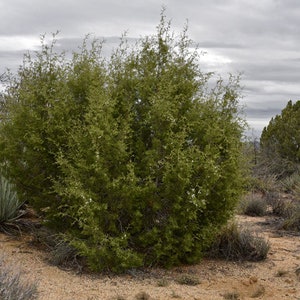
x: 275, y: 278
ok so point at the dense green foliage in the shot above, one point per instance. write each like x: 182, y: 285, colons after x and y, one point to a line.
x: 132, y: 157
x: 280, y: 141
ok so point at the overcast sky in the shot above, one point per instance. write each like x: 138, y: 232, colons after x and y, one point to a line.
x: 260, y: 39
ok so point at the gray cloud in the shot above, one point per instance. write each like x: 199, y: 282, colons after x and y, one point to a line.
x: 75, y: 17
x: 258, y: 38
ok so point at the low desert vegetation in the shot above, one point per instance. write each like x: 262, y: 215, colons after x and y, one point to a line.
x: 281, y: 273
x: 291, y: 184
x: 60, y: 252
x: 9, y: 205
x: 188, y: 279
x: 277, y: 202
x: 253, y: 204
x: 275, y: 181
x: 175, y: 295
x: 279, y: 148
x: 163, y: 282
x: 239, y: 244
x: 292, y: 222
x: 118, y: 298
x: 259, y: 291
x: 231, y: 296
x: 13, y: 286
x: 142, y: 296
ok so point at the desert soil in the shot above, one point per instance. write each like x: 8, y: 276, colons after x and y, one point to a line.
x: 275, y: 278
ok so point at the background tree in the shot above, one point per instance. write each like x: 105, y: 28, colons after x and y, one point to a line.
x: 133, y: 158
x: 280, y: 141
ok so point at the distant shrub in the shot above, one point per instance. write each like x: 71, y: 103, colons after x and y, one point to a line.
x: 297, y: 192
x: 280, y: 206
x: 142, y: 296
x: 163, y: 282
x: 292, y: 222
x: 281, y: 273
x: 13, y: 286
x: 253, y: 205
x: 291, y: 183
x: 187, y: 279
x: 231, y: 296
x: 258, y: 292
x: 234, y: 243
x: 263, y: 182
x: 279, y: 141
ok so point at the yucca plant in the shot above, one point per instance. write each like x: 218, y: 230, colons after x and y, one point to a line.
x: 9, y: 201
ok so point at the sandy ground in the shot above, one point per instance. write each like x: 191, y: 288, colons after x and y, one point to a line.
x: 274, y: 278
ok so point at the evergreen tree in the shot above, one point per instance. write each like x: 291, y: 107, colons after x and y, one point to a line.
x: 133, y: 158
x: 280, y: 140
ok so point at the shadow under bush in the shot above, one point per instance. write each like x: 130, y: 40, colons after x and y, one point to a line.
x: 61, y: 252
x: 234, y: 243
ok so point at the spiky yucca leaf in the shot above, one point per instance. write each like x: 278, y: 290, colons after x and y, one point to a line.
x: 9, y: 201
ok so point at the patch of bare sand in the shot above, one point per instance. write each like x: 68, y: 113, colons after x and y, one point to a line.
x: 274, y: 278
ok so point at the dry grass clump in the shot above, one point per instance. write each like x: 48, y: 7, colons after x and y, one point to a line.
x: 260, y: 291
x: 142, y: 296
x: 13, y: 287
x: 61, y: 252
x: 292, y: 222
x: 253, y: 205
x: 187, y: 279
x: 279, y: 206
x: 163, y: 282
x: 231, y: 296
x: 281, y: 273
x: 234, y: 243
x: 175, y: 295
x: 118, y: 297
x: 292, y: 218
x: 287, y: 207
x: 264, y: 183
x: 291, y: 183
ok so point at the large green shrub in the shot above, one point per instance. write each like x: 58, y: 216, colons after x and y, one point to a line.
x: 132, y: 157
